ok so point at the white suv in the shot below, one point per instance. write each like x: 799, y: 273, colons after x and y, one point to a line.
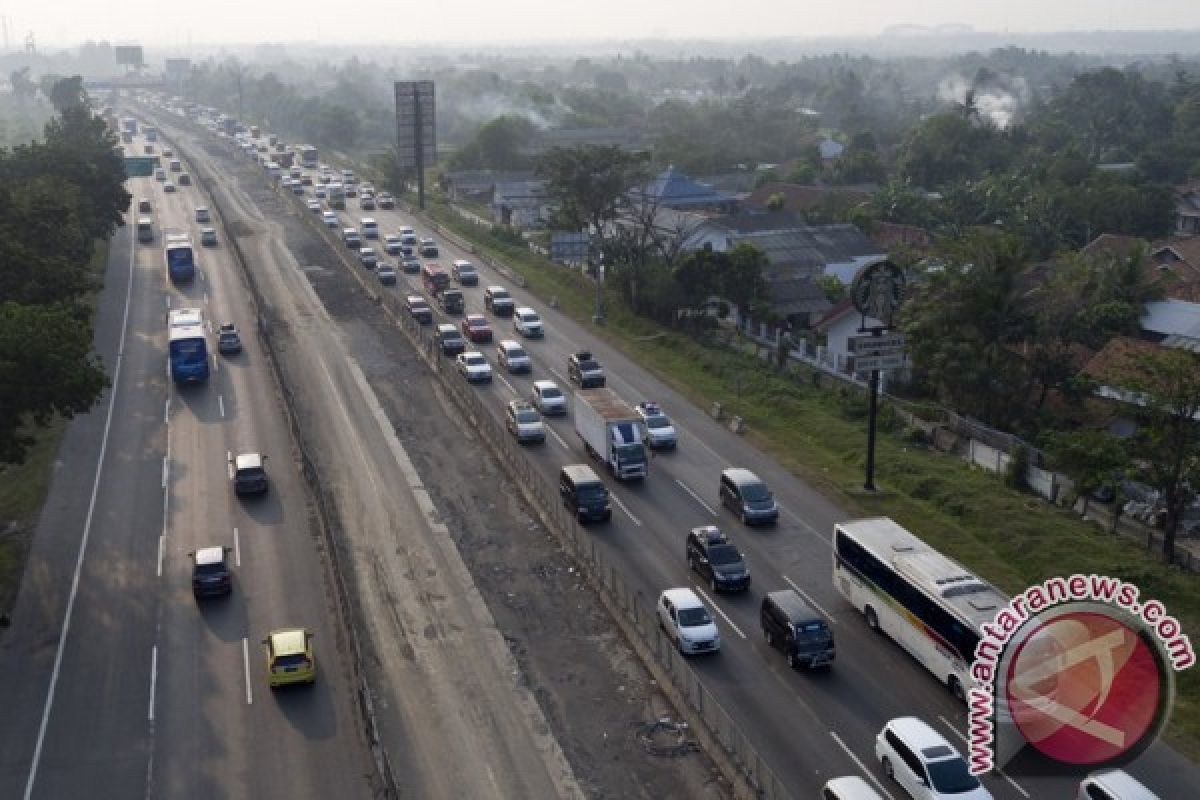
x: 687, y: 622
x: 513, y: 357
x: 925, y: 765
x: 527, y: 323
x: 548, y: 398
x: 1113, y: 784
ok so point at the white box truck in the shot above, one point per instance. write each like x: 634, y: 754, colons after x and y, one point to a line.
x: 611, y: 431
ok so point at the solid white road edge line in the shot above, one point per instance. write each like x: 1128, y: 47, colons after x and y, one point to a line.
x: 87, y: 530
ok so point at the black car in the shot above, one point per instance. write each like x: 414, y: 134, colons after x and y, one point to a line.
x: 585, y: 371
x: 464, y: 272
x: 584, y: 493
x: 712, y: 555
x: 210, y: 572
x: 451, y: 301
x: 229, y: 342
x: 450, y: 340
x: 744, y: 493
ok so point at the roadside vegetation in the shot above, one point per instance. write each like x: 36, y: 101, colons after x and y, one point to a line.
x: 1010, y: 537
x: 61, y: 198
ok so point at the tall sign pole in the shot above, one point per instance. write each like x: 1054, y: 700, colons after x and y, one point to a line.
x: 877, y: 293
x: 416, y: 131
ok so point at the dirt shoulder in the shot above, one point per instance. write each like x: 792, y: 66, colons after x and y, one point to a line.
x: 595, y: 695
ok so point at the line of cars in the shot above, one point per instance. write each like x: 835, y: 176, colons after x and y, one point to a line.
x: 789, y: 622
x: 910, y: 752
x: 288, y: 652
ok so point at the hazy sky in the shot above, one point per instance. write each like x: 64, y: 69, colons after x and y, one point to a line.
x: 172, y: 23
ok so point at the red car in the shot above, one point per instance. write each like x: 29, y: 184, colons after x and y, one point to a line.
x: 475, y: 327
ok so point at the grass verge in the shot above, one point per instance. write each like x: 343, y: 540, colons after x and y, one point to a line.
x: 1011, y: 538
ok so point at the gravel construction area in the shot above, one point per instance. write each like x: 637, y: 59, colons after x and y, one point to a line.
x: 605, y: 710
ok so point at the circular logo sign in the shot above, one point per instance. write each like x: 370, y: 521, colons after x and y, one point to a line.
x: 1085, y: 688
x: 878, y: 291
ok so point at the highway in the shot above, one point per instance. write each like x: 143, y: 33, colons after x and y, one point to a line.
x: 118, y: 683
x: 808, y: 727
x: 445, y: 685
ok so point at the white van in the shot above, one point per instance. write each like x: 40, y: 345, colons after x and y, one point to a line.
x: 849, y: 788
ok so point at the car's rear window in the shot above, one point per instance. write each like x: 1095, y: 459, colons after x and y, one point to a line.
x: 293, y: 660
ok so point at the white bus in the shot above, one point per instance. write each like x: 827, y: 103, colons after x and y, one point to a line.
x: 925, y: 602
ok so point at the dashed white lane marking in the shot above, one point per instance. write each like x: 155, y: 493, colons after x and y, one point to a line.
x: 695, y: 497
x: 811, y: 602
x: 861, y: 766
x: 628, y: 513
x: 717, y: 608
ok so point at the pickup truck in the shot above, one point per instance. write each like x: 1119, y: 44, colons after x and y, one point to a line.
x: 612, y: 432
x: 584, y: 371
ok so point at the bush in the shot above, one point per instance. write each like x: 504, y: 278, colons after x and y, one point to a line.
x: 507, y: 235
x: 1018, y: 468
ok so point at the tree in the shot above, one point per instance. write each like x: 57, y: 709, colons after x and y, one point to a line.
x: 46, y: 368
x: 66, y: 93
x: 1166, y: 385
x: 965, y: 323
x: 591, y: 184
x: 1093, y: 459
x: 43, y: 246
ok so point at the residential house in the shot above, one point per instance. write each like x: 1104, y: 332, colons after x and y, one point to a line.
x: 521, y: 204
x: 1180, y: 256
x: 1173, y: 320
x: 629, y: 139
x: 801, y: 198
x: 830, y: 150
x: 739, y: 184
x: 838, y: 324
x: 1112, y: 244
x: 892, y: 236
x: 1187, y: 210
x: 1109, y: 365
x: 673, y: 189
x: 477, y: 185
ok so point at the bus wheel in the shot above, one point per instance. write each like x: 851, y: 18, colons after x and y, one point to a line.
x: 872, y: 619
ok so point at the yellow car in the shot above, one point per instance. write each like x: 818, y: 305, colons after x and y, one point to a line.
x: 290, y: 657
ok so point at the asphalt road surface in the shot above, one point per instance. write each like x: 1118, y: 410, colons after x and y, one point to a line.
x: 808, y: 727
x: 148, y: 693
